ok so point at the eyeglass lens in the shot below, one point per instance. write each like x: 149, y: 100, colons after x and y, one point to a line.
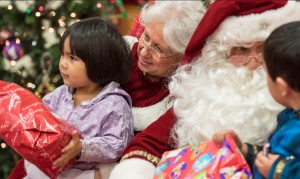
x: 239, y: 60
x: 158, y: 53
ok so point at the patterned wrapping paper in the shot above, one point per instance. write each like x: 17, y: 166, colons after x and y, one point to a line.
x: 31, y: 129
x: 204, y: 161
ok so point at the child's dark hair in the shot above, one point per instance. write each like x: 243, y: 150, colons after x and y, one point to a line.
x: 102, y: 48
x: 282, y: 54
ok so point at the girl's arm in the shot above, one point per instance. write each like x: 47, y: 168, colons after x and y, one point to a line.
x: 116, y: 131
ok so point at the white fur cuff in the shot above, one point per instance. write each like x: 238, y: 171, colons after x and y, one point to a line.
x: 33, y: 172
x: 133, y: 168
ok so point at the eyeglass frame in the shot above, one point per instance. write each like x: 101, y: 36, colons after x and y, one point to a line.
x: 247, y: 57
x: 152, y: 48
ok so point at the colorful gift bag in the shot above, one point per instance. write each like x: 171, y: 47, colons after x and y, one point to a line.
x: 31, y: 129
x: 204, y: 161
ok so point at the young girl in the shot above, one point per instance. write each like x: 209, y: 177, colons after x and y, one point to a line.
x: 94, y: 61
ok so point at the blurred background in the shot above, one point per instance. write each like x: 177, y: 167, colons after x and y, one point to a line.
x: 29, y: 37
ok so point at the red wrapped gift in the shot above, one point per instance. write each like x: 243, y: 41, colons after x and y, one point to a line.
x: 31, y: 129
x: 206, y: 160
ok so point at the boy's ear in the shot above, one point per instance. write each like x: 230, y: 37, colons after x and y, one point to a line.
x: 283, y: 87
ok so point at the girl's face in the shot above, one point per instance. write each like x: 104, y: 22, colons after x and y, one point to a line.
x: 73, y: 69
x: 249, y: 56
x: 155, y: 56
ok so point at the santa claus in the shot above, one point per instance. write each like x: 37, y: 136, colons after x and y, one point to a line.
x: 223, y: 88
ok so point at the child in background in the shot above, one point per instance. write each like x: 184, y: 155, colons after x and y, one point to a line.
x: 95, y: 60
x: 282, y: 63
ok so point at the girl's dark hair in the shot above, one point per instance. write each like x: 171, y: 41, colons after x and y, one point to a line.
x: 282, y: 54
x: 102, y: 48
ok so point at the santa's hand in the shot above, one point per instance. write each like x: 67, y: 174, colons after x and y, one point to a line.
x: 264, y: 163
x: 70, y: 151
x: 220, y: 136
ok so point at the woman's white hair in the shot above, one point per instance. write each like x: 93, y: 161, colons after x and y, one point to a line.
x: 180, y: 19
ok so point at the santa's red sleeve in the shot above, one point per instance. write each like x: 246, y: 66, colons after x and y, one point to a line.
x: 144, y: 152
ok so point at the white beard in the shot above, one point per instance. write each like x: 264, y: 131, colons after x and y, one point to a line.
x: 216, y: 95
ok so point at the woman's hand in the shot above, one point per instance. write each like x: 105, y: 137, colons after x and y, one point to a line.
x: 70, y: 151
x: 264, y: 163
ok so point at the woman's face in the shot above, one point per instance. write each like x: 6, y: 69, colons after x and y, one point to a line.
x: 249, y: 56
x: 156, y: 59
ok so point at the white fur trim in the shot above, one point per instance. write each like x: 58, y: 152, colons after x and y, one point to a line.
x: 73, y: 173
x: 133, y: 168
x: 144, y: 116
x: 33, y: 171
x: 256, y: 27
x: 105, y: 169
x: 130, y: 40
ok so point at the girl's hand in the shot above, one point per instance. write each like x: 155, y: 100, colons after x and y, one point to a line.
x: 264, y: 163
x: 70, y: 151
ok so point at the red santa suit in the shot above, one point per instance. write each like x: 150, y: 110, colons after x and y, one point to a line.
x: 211, y: 93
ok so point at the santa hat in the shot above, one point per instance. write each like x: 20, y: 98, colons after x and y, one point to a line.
x: 246, y: 20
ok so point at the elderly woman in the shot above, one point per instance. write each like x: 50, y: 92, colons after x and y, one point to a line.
x: 168, y: 27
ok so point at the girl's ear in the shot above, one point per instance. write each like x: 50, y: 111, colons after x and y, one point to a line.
x: 283, y: 87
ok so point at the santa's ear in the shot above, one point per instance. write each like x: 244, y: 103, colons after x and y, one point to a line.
x: 283, y: 86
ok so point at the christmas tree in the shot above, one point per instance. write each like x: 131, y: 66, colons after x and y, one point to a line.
x: 29, y: 40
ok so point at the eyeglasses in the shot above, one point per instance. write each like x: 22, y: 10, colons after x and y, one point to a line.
x: 155, y: 50
x: 240, y: 60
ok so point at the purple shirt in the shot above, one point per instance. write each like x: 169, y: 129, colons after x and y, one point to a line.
x: 106, y: 122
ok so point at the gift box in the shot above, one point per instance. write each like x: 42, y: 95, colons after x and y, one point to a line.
x: 204, y: 161
x: 31, y: 129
